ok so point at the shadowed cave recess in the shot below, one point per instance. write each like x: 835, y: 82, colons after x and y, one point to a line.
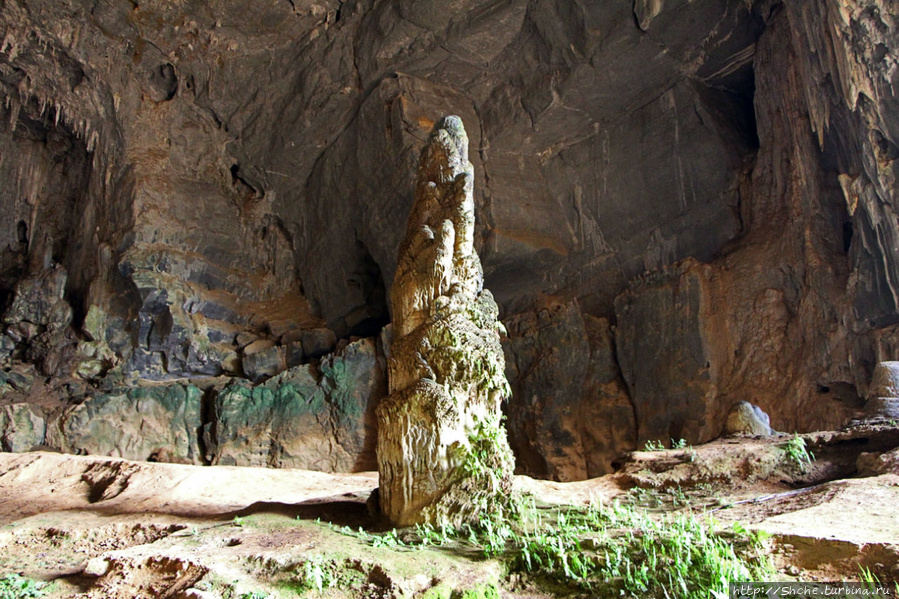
x: 680, y: 206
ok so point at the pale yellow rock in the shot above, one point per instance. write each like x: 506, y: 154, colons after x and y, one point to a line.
x: 442, y: 449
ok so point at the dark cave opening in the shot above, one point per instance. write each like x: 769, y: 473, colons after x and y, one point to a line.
x: 367, y: 280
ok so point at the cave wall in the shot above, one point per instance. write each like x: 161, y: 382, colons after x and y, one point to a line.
x: 680, y: 205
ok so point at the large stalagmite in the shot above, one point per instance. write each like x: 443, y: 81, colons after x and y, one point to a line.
x: 442, y: 449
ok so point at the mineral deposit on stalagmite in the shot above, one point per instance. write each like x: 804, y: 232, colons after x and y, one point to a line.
x: 442, y: 449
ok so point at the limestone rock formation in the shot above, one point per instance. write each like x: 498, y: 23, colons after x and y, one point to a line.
x: 442, y: 450
x: 311, y: 418
x: 716, y: 180
x: 883, y: 394
x: 749, y: 419
x: 570, y: 417
x: 137, y: 423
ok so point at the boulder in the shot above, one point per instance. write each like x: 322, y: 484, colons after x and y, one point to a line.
x: 885, y: 380
x: 749, y: 419
x: 883, y: 394
x: 22, y: 426
x: 138, y: 422
x: 318, y: 342
x: 315, y: 419
x: 875, y: 464
x: 262, y: 360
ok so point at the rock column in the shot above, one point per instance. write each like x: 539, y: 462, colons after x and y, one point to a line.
x: 442, y: 449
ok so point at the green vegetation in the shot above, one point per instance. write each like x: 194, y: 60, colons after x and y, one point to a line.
x: 609, y: 550
x: 653, y: 446
x: 796, y: 453
x: 876, y: 588
x: 484, y: 591
x: 15, y: 586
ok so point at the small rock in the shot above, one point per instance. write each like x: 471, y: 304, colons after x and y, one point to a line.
x: 885, y: 381
x: 244, y: 339
x: 257, y: 346
x: 279, y: 328
x: 318, y: 342
x: 231, y: 363
x: 264, y: 363
x: 96, y: 567
x: 91, y: 369
x: 198, y: 594
x: 748, y: 419
x: 293, y: 346
x: 875, y: 464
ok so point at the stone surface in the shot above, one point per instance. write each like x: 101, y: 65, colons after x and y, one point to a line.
x: 885, y: 380
x: 22, y: 427
x: 442, y: 451
x: 263, y: 360
x: 570, y: 416
x: 875, y: 464
x: 318, y: 342
x: 136, y: 423
x: 315, y: 419
x: 747, y: 419
x: 665, y: 356
x: 206, y: 172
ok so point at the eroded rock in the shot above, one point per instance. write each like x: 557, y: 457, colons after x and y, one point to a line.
x: 22, y: 427
x: 315, y: 419
x: 442, y: 449
x: 749, y: 419
x: 569, y: 417
x: 137, y: 423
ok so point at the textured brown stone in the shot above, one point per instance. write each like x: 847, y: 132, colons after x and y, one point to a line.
x: 202, y: 172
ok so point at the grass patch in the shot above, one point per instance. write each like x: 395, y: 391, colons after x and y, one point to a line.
x: 609, y: 550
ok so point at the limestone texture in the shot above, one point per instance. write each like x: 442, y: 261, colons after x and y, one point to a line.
x: 747, y: 419
x: 442, y: 449
x: 22, y: 427
x: 715, y: 180
x: 310, y: 418
x: 137, y: 423
x: 570, y: 417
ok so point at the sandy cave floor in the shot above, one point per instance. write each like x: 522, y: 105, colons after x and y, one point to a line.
x: 111, y: 528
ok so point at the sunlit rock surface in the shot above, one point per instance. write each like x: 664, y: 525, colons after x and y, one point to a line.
x: 442, y: 449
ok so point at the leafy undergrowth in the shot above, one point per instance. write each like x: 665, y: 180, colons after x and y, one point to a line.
x: 607, y: 550
x: 14, y: 586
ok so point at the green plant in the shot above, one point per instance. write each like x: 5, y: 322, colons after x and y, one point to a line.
x: 679, y: 444
x: 317, y: 575
x: 16, y: 586
x: 653, y: 446
x: 254, y: 595
x: 797, y: 454
x: 485, y: 591
x: 621, y: 551
x: 388, y: 539
x: 238, y: 521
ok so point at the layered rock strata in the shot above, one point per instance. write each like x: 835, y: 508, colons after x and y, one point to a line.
x: 442, y: 449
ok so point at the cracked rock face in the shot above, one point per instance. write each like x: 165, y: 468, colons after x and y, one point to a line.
x: 680, y: 205
x: 442, y: 449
